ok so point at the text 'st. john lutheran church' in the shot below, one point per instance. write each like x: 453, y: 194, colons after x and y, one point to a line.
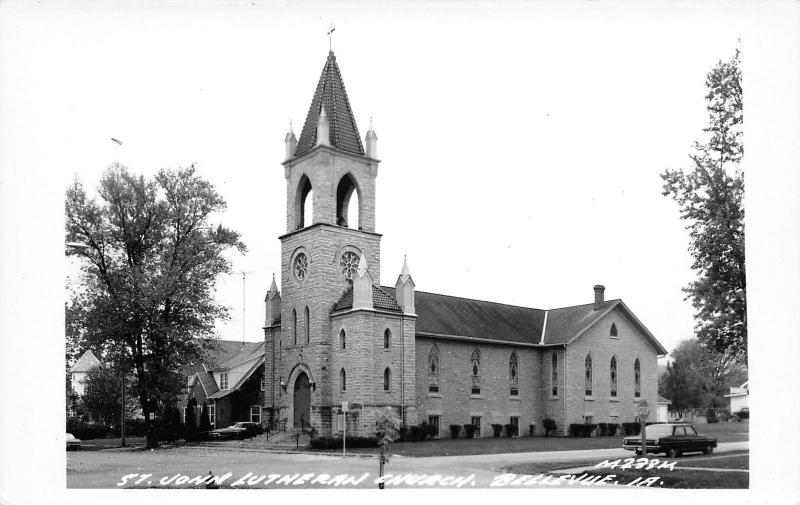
x: 334, y: 334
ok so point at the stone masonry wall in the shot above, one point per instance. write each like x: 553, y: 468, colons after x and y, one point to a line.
x: 629, y: 345
x: 454, y: 403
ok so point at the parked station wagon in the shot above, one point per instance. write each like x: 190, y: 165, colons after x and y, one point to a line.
x: 673, y: 439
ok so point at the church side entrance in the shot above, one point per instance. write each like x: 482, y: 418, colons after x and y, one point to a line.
x: 302, y: 401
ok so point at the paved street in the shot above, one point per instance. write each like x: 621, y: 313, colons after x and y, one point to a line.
x: 176, y: 467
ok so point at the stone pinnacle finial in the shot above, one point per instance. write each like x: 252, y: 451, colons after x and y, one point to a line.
x: 362, y: 266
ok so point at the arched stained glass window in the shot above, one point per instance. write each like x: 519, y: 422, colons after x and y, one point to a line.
x: 588, y: 374
x: 294, y: 326
x: 554, y: 375
x: 476, y: 372
x: 637, y: 379
x: 342, y: 337
x: 387, y: 379
x: 613, y: 373
x: 307, y: 324
x: 613, y: 331
x: 513, y: 374
x: 433, y: 369
x: 343, y: 380
x: 387, y: 339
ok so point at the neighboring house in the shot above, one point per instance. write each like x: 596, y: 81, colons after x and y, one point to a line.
x: 229, y: 381
x: 739, y: 397
x: 663, y: 409
x: 334, y: 334
x: 80, y: 371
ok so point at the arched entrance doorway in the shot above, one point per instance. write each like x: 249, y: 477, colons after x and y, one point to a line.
x: 302, y: 401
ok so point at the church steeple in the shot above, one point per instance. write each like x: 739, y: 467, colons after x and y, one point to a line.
x: 330, y: 95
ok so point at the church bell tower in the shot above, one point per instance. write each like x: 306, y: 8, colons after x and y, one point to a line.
x: 321, y: 250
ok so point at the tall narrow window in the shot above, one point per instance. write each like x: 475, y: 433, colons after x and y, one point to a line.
x: 476, y: 372
x: 613, y: 332
x: 588, y: 380
x: 343, y: 380
x: 554, y: 375
x: 387, y: 339
x: 387, y: 379
x: 294, y: 326
x: 223, y: 380
x: 513, y: 374
x: 342, y: 339
x: 637, y: 379
x: 307, y: 324
x: 613, y: 377
x: 433, y: 369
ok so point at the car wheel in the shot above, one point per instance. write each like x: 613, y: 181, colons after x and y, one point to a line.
x: 708, y: 449
x: 672, y: 452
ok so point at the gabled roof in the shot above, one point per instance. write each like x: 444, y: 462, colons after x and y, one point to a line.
x: 381, y: 300
x: 452, y: 316
x: 225, y: 392
x: 207, y: 382
x: 250, y: 352
x: 330, y: 93
x: 85, y: 362
x: 219, y: 352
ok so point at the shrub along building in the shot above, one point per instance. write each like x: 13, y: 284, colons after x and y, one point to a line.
x: 333, y: 334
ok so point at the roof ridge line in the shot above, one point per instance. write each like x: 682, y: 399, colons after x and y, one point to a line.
x: 477, y: 300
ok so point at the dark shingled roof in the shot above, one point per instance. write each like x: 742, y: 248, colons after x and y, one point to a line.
x: 464, y: 317
x: 219, y: 352
x: 452, y: 316
x: 343, y: 130
x: 380, y: 300
x: 564, y: 324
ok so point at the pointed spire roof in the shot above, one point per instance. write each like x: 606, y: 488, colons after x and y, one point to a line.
x: 273, y: 288
x: 331, y: 94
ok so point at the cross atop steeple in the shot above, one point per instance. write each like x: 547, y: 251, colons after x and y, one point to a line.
x: 330, y: 37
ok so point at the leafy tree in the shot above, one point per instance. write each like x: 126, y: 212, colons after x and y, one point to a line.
x: 388, y: 430
x: 150, y: 261
x: 709, y: 195
x: 102, y: 397
x: 698, y: 377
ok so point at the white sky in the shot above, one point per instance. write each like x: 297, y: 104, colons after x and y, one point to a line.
x: 521, y: 143
x: 521, y: 146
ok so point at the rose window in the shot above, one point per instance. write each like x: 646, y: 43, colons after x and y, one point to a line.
x: 301, y: 266
x: 349, y: 264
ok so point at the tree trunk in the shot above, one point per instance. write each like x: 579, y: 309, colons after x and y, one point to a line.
x: 144, y: 401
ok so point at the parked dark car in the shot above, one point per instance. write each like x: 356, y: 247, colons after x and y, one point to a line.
x: 673, y: 439
x: 239, y: 431
x: 742, y: 414
x: 73, y: 444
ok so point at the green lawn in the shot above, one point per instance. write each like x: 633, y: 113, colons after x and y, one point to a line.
x: 725, y: 432
x: 680, y: 478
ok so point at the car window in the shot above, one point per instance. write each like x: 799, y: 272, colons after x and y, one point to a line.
x: 659, y: 430
x: 690, y: 430
x: 679, y: 430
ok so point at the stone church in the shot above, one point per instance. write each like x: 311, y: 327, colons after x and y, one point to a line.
x: 333, y: 333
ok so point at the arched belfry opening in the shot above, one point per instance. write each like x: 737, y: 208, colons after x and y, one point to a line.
x: 304, y: 203
x: 348, y: 203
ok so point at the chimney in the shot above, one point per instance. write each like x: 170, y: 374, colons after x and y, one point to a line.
x: 599, y: 296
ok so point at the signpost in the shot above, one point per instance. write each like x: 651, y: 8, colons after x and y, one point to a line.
x: 644, y: 413
x: 344, y: 432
